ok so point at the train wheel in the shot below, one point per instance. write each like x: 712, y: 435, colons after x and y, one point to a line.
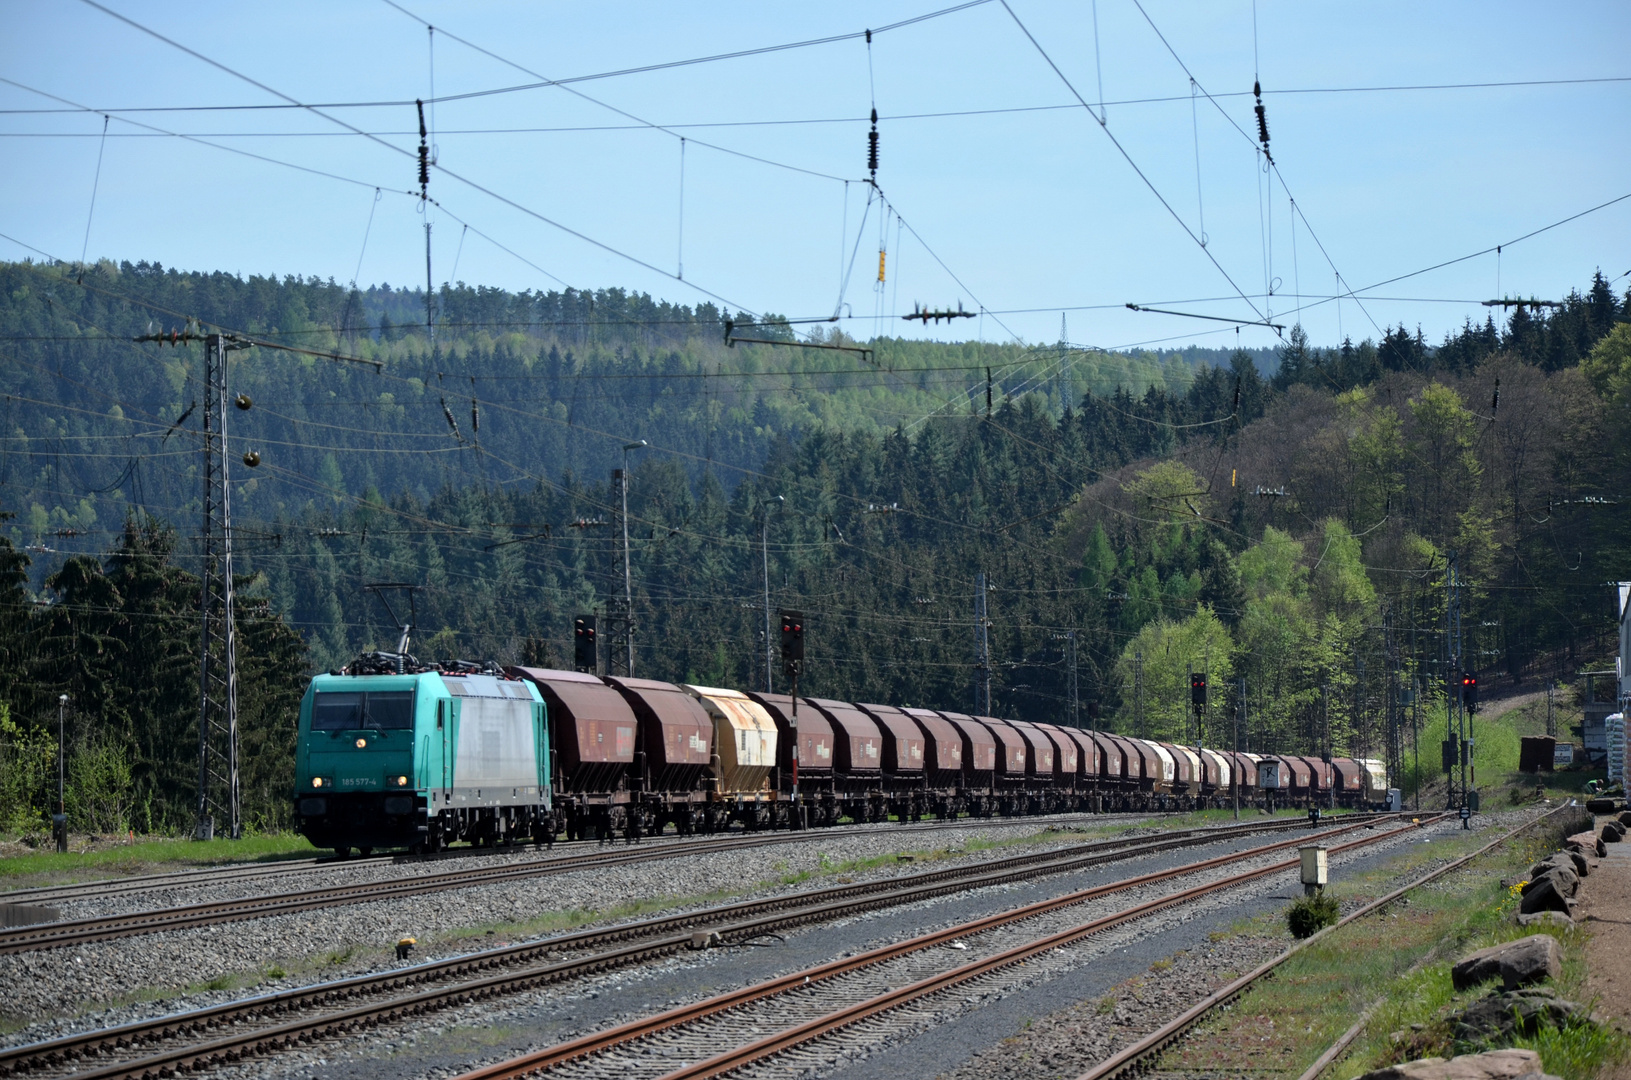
x: 364, y: 852
x: 342, y: 853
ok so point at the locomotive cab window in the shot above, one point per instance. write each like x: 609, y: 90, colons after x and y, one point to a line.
x: 382, y: 710
x: 336, y: 712
x: 389, y: 709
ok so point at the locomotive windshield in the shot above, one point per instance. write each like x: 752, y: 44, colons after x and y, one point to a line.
x: 344, y: 711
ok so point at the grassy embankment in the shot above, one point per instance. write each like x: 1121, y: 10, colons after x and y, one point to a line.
x: 146, y: 856
x: 1496, y: 732
x: 1399, y: 962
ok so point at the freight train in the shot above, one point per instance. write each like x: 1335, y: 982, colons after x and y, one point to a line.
x: 422, y: 757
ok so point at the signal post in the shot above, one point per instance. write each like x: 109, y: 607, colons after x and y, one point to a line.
x: 792, y: 662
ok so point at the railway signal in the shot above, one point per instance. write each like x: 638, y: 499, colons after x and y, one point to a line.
x: 1469, y: 691
x: 1197, y: 689
x: 585, y: 653
x: 792, y: 663
x: 792, y: 638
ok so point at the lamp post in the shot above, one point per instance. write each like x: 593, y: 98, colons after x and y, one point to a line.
x: 628, y: 584
x: 59, y: 821
x: 764, y: 557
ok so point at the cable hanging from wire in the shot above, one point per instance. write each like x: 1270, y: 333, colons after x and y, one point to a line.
x: 96, y: 182
x: 679, y: 251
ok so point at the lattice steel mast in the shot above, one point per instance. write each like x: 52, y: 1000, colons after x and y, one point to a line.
x: 218, y: 787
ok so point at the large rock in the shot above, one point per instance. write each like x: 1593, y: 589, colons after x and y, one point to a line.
x: 1516, y: 963
x: 1492, y: 1065
x: 1571, y: 860
x: 1515, y: 1012
x: 1613, y: 832
x: 1544, y: 897
x: 1601, y: 806
x: 1563, y: 879
x: 1546, y: 918
x: 1625, y: 818
x: 1586, y: 843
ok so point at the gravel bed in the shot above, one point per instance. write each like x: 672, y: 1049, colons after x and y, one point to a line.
x: 359, y: 938
x: 462, y: 1035
x: 1068, y: 1041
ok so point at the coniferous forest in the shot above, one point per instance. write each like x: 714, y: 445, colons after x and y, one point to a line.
x: 1284, y: 518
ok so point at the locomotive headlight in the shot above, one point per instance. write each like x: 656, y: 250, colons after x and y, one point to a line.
x: 317, y: 781
x: 402, y: 781
x: 361, y: 743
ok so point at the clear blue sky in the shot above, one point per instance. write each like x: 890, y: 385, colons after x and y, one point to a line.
x: 1033, y: 209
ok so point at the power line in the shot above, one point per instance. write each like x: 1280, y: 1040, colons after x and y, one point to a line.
x: 946, y: 114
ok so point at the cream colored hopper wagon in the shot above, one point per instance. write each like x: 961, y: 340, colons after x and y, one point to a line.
x: 745, y: 737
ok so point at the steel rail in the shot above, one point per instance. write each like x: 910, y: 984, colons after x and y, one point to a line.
x: 598, y: 1042
x: 211, y: 875
x: 639, y: 941
x: 176, y: 879
x: 50, y: 935
x: 894, y: 999
x: 1129, y: 1058
x: 97, y: 889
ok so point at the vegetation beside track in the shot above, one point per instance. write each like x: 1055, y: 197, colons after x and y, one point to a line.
x: 1401, y: 957
x: 147, y: 855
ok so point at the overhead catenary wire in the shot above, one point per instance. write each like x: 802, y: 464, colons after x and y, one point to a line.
x: 510, y: 202
x: 948, y: 114
x: 157, y: 131
x: 1259, y: 145
x: 1129, y: 159
x: 1156, y: 100
x: 1225, y: 95
x: 491, y: 193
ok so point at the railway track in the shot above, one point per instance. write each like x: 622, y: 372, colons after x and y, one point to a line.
x: 291, y: 1018
x: 180, y: 879
x: 788, y: 1014
x: 1132, y: 1058
x: 176, y: 879
x: 51, y: 935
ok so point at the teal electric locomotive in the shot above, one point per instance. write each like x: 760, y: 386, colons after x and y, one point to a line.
x: 419, y: 760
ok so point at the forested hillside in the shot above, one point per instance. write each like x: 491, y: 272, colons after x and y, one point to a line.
x: 515, y: 386
x: 1293, y: 531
